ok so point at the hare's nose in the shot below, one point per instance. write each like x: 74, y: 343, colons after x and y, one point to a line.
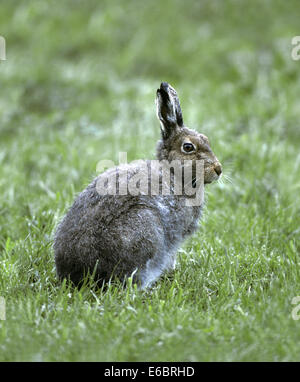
x: 218, y: 169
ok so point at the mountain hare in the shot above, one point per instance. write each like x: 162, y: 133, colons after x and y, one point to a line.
x: 136, y: 234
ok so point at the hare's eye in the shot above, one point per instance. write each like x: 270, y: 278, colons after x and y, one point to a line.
x: 188, y: 147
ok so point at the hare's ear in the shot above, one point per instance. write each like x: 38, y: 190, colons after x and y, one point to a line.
x: 168, y: 109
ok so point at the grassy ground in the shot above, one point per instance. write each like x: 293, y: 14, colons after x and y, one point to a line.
x: 78, y: 86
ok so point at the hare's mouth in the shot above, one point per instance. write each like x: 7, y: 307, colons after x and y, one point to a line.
x: 210, y: 181
x: 212, y: 173
x: 212, y: 177
x: 207, y: 179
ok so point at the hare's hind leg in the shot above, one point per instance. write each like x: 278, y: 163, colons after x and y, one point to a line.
x: 143, y: 246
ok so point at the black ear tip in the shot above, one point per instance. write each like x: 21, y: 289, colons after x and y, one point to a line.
x: 164, y: 86
x: 164, y: 90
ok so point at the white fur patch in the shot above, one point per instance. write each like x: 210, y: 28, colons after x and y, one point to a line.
x: 153, y: 270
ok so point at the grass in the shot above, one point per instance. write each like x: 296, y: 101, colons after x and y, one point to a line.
x: 78, y: 86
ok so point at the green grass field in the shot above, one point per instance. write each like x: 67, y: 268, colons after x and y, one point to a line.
x: 79, y: 86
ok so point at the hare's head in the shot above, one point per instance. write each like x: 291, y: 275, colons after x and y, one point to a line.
x: 179, y: 142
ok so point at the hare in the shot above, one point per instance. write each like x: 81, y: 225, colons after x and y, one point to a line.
x: 124, y: 234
